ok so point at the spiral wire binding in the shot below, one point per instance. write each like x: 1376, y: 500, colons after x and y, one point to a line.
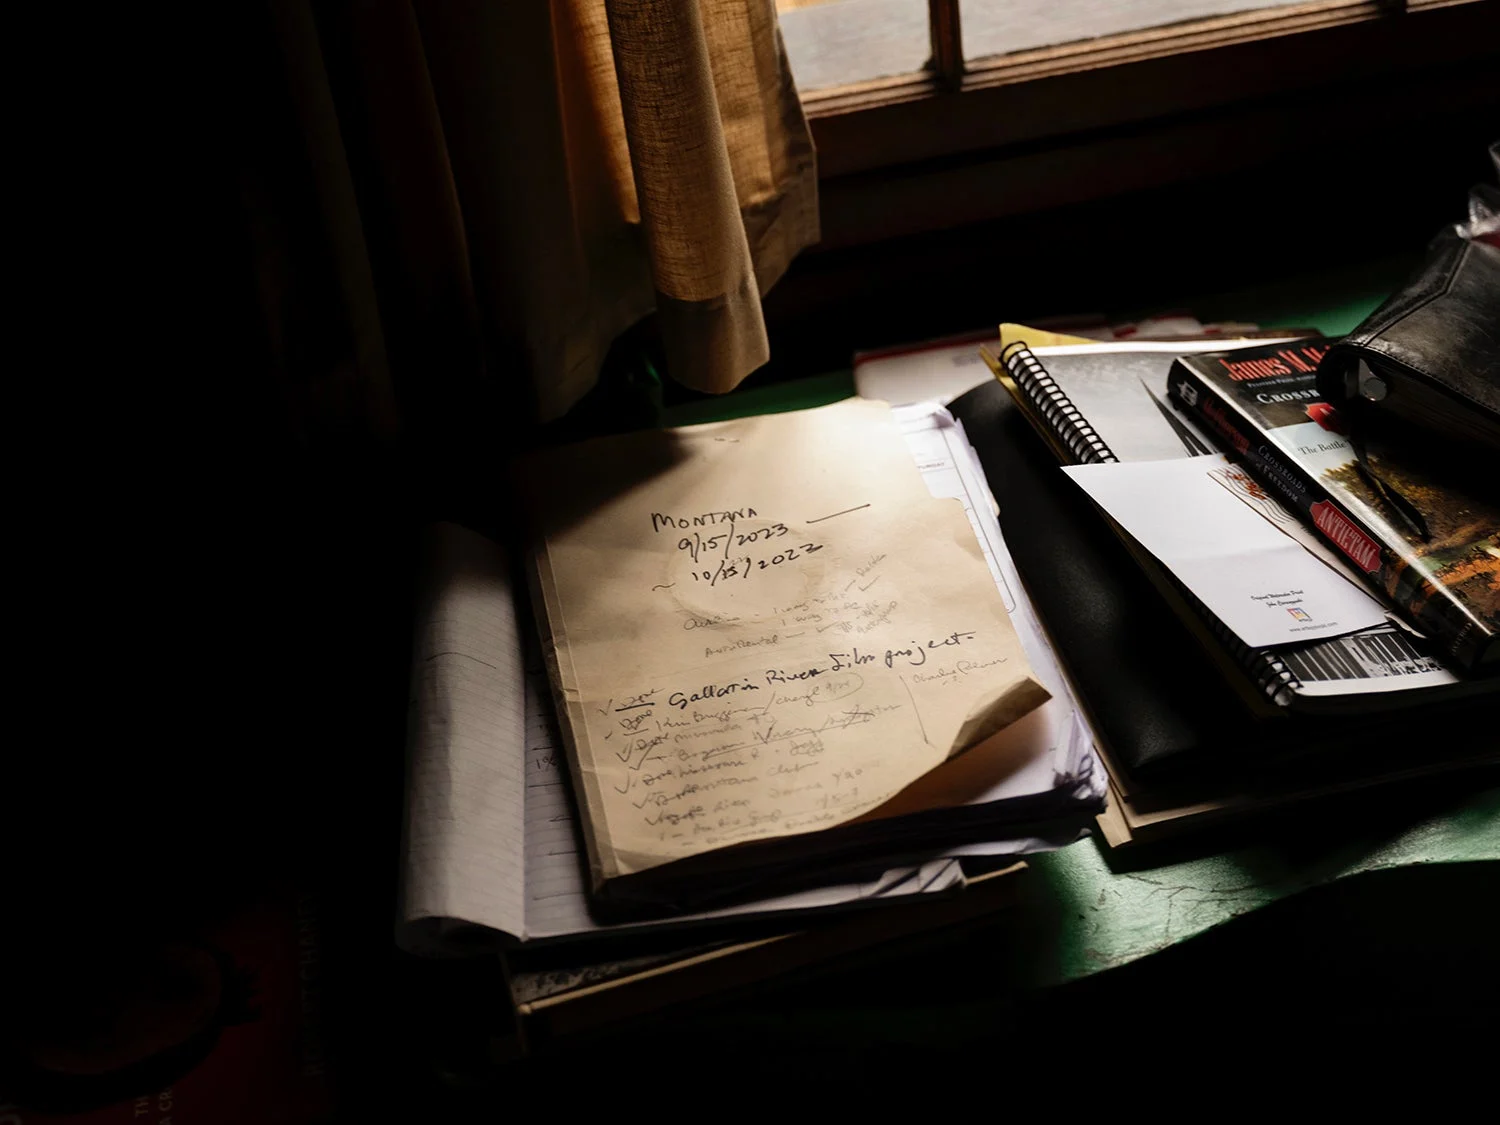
x: 1054, y: 405
x: 1271, y: 676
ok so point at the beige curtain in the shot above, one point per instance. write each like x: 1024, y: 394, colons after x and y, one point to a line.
x: 499, y: 189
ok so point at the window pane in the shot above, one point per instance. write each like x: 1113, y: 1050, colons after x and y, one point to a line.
x: 998, y: 27
x: 837, y: 42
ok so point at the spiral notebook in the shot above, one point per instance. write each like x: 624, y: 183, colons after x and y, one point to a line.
x: 1103, y: 403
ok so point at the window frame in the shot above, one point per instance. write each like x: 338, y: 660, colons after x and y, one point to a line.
x: 1022, y: 120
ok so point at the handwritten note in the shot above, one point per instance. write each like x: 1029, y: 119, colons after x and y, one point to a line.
x: 761, y: 628
x: 557, y: 899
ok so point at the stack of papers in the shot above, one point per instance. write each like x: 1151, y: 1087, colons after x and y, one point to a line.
x: 493, y: 845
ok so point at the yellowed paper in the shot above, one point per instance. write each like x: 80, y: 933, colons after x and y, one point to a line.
x: 1036, y: 337
x: 760, y: 628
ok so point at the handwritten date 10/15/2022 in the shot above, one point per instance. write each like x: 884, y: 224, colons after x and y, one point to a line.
x: 740, y: 566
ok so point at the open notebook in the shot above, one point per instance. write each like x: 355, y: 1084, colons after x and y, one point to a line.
x: 492, y: 848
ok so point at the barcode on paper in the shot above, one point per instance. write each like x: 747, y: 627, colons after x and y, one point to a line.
x: 1361, y: 656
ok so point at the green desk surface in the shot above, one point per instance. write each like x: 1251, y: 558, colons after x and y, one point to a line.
x: 1086, y: 911
x: 1107, y: 914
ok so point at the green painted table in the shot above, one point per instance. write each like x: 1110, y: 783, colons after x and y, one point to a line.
x: 1113, y: 910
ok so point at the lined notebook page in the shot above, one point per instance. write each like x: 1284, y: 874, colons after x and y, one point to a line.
x: 465, y: 827
x: 556, y: 899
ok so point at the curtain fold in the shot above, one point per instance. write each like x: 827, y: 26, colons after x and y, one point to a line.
x: 504, y: 188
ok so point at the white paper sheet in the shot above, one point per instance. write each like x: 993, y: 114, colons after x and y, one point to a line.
x: 1263, y: 585
x: 936, y: 373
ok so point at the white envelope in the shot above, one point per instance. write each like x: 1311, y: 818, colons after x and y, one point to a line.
x: 1266, y: 587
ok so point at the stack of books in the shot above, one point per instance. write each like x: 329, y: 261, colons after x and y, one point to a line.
x: 1248, y: 623
x: 1245, y: 623
x: 776, y: 692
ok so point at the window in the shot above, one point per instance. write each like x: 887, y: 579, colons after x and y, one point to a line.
x: 840, y: 42
x: 835, y: 43
x: 937, y: 113
x: 998, y: 27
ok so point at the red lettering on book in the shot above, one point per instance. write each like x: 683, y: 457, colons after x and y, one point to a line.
x: 1296, y: 362
x: 1265, y: 368
x: 1226, y: 426
x: 1363, y: 551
